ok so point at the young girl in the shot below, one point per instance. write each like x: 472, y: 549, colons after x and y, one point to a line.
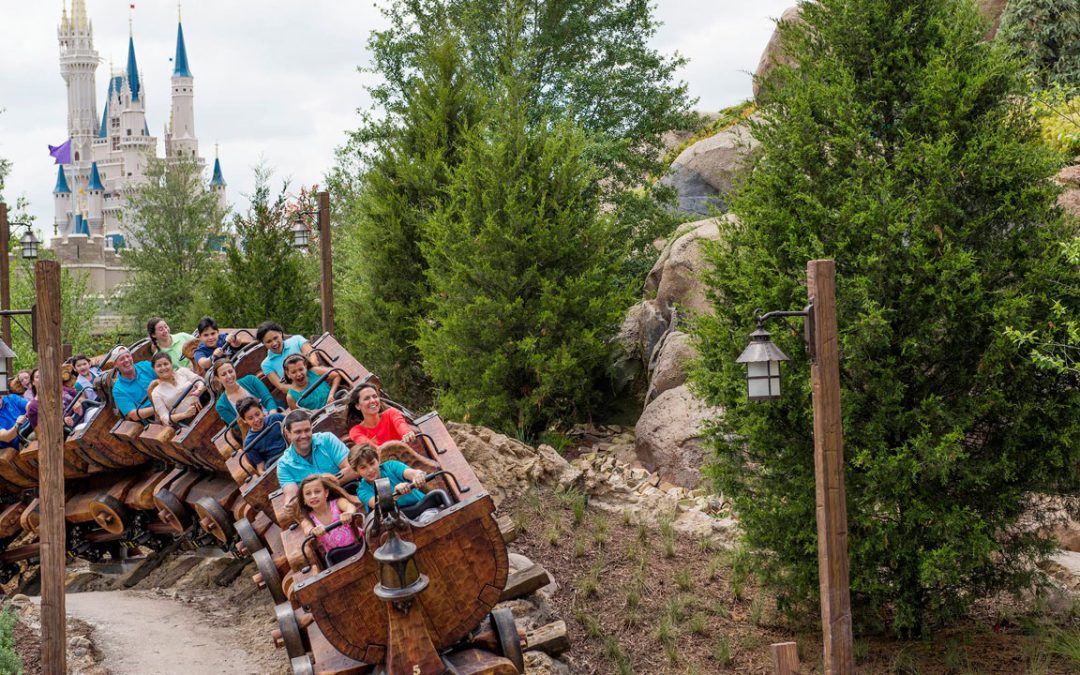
x: 87, y: 372
x: 170, y: 343
x: 322, y: 501
x: 278, y: 349
x: 301, y: 380
x: 171, y: 384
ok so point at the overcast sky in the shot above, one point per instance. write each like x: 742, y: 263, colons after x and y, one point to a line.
x: 277, y: 81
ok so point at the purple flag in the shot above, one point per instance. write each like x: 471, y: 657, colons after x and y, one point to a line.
x: 61, y: 153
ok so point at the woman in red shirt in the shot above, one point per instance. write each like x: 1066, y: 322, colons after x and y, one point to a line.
x: 369, y: 423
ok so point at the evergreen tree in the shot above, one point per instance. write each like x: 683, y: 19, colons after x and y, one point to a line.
x: 1047, y: 35
x: 382, y: 298
x: 898, y: 146
x: 263, y: 276
x: 174, y: 226
x: 523, y: 269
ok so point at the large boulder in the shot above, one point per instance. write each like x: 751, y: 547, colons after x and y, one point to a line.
x: 703, y: 174
x: 1069, y: 179
x: 671, y: 363
x: 505, y: 465
x: 676, y: 276
x: 669, y: 436
x: 773, y: 54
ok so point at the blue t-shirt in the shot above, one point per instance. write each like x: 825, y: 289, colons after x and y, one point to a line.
x: 204, y: 352
x: 313, y: 397
x: 274, y: 363
x: 327, y: 454
x: 270, y: 446
x: 252, y: 385
x: 11, y: 406
x: 128, y: 394
x: 395, y: 471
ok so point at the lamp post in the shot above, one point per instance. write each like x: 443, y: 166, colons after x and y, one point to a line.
x: 763, y: 383
x: 29, y: 252
x: 301, y: 240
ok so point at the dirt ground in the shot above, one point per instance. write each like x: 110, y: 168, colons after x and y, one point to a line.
x: 638, y: 599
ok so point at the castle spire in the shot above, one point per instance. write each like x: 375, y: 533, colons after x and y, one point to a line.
x: 217, y: 180
x: 61, y: 182
x: 181, y: 63
x: 132, y: 69
x: 95, y: 178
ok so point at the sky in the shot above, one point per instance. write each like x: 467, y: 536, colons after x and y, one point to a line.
x: 277, y: 82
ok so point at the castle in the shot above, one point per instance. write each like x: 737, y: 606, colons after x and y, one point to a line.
x: 110, y: 152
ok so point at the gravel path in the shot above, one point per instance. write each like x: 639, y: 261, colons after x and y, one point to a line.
x: 139, y: 633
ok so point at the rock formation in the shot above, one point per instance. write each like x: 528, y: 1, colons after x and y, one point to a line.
x: 704, y: 173
x: 1069, y: 179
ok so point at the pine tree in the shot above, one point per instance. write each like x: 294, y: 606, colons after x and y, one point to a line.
x: 174, y: 222
x: 1047, y: 34
x: 898, y: 146
x: 263, y: 276
x: 523, y: 269
x: 385, y: 288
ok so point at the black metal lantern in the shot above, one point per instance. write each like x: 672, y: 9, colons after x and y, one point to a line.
x: 399, y: 579
x: 300, y: 233
x: 5, y: 366
x: 28, y: 241
x: 762, y: 359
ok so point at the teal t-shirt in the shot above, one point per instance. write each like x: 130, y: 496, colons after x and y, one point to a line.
x: 312, y: 397
x: 327, y: 454
x: 128, y: 394
x: 395, y: 471
x: 254, y: 386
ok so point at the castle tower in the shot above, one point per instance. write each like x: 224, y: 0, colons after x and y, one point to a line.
x: 78, y: 62
x: 95, y: 202
x: 180, y: 138
x: 61, y: 201
x: 217, y: 181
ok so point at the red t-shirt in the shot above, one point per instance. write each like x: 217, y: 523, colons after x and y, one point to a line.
x: 391, y: 427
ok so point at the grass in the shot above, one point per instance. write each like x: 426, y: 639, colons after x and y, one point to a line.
x: 1066, y: 644
x: 666, y: 524
x: 9, y: 659
x: 757, y: 611
x: 615, y: 653
x: 683, y: 580
x: 697, y: 624
x: 601, y: 534
x: 576, y: 501
x: 721, y: 651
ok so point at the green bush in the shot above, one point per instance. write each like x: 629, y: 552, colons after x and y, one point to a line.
x: 9, y: 658
x: 901, y: 147
x: 1058, y: 111
x: 1047, y: 35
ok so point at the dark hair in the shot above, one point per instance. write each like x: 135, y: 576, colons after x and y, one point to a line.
x: 80, y: 357
x: 267, y: 327
x: 245, y: 404
x: 298, y: 415
x: 150, y: 326
x: 364, y: 453
x: 159, y: 356
x: 204, y: 323
x: 293, y: 358
x: 33, y: 390
x: 299, y: 510
x: 352, y: 415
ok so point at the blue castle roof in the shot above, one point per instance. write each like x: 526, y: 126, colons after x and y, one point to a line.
x: 115, y: 83
x: 217, y: 180
x: 180, y: 68
x: 132, y: 70
x: 95, y: 179
x: 81, y: 225
x: 61, y: 182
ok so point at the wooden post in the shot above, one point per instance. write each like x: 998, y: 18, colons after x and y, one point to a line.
x: 829, y: 470
x: 5, y: 274
x: 326, y: 264
x: 51, y: 458
x: 785, y: 658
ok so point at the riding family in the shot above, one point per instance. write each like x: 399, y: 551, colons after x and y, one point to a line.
x: 311, y: 466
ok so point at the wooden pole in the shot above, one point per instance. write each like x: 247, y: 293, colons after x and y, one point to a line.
x: 326, y: 287
x: 829, y: 470
x: 51, y: 463
x: 5, y: 274
x: 785, y: 658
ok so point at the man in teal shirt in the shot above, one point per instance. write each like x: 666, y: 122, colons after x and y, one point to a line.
x: 130, y: 387
x: 309, y: 453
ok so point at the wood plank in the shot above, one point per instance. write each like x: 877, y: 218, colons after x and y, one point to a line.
x: 520, y: 584
x: 551, y: 638
x: 507, y: 529
x: 785, y: 656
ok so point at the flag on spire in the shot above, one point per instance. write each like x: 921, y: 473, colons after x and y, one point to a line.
x: 61, y: 153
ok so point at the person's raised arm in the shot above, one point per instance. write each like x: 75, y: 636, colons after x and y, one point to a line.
x: 401, y: 425
x: 9, y: 434
x: 290, y: 491
x: 276, y: 383
x: 335, y: 382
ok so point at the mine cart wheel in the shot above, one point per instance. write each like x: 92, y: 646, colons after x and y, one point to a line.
x: 291, y: 635
x: 509, y: 642
x: 248, y: 537
x: 271, y: 579
x: 215, y: 519
x: 110, y: 514
x: 301, y: 665
x: 176, y: 514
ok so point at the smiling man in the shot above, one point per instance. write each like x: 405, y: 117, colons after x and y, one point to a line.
x: 308, y: 453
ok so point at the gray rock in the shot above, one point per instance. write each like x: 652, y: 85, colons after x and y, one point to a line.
x: 539, y: 663
x: 671, y: 365
x: 79, y: 641
x: 773, y: 54
x: 703, y: 174
x: 669, y: 436
x: 680, y: 274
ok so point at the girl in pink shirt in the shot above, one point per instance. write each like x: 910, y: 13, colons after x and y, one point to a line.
x: 323, y: 502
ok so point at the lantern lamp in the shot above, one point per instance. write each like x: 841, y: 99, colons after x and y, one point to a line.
x: 6, y: 354
x: 762, y: 359
x: 300, y: 233
x: 29, y: 245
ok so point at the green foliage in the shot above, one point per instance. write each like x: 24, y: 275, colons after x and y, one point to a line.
x: 900, y: 147
x: 523, y: 269
x: 1058, y: 111
x: 1047, y: 35
x: 263, y: 276
x: 1055, y: 345
x: 9, y: 658
x: 175, y: 222
x: 382, y: 302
